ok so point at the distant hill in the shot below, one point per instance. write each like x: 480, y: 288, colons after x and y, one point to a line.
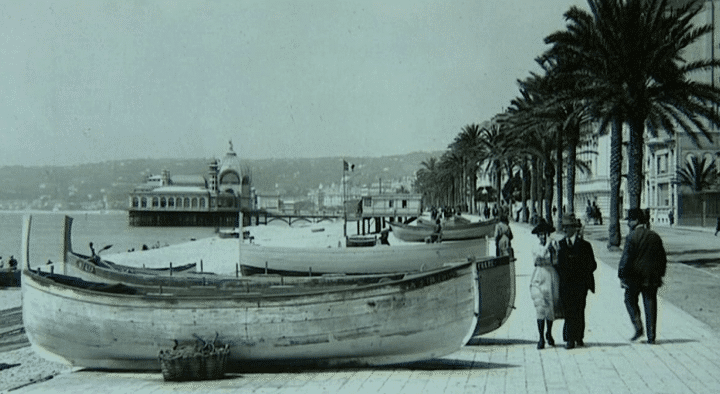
x: 107, y: 185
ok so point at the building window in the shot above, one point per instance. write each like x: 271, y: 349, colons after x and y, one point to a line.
x: 135, y: 202
x: 163, y: 202
x: 187, y: 202
x: 404, y: 203
x: 202, y: 203
x: 156, y: 202
x: 171, y: 202
x: 390, y: 203
x: 194, y: 202
x: 143, y: 202
x: 368, y: 201
x: 663, y: 196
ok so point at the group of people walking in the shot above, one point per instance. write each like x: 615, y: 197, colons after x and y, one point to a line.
x: 564, y: 274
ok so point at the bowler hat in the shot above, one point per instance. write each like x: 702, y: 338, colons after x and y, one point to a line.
x: 635, y: 214
x: 570, y: 221
x: 543, y: 228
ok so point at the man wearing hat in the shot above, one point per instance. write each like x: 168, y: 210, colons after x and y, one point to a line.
x: 641, y: 269
x: 576, y: 264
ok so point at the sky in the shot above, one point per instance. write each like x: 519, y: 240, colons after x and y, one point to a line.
x: 92, y: 81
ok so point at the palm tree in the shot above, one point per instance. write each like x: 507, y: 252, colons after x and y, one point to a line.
x: 497, y: 150
x: 467, y: 145
x: 425, y: 181
x: 625, y: 60
x: 699, y: 175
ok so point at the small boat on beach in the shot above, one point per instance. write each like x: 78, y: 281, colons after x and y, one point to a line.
x: 361, y: 241
x: 360, y: 322
x: 422, y: 231
x: 258, y: 259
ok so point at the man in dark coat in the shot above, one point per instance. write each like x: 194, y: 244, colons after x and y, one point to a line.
x: 576, y: 264
x: 641, y: 269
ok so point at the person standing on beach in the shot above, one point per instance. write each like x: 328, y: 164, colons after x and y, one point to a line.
x: 545, y: 283
x: 641, y: 269
x: 503, y: 236
x: 576, y: 264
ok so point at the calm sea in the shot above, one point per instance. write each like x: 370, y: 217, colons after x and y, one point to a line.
x: 99, y: 228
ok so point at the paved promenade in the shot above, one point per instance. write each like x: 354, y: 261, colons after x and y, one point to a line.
x: 686, y: 358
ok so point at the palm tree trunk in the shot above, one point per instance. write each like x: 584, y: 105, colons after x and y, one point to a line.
x: 635, y: 162
x: 559, y: 177
x: 524, y: 190
x: 572, y: 161
x: 549, y: 170
x: 615, y: 177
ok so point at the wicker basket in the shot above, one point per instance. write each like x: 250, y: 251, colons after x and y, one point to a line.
x: 194, y: 362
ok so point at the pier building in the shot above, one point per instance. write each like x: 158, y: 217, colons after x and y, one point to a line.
x: 214, y: 199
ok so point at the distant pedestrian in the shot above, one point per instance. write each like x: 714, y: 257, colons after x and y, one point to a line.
x: 436, y: 236
x: 641, y: 269
x: 384, y: 237
x: 717, y: 226
x: 671, y: 218
x: 576, y: 264
x: 12, y: 263
x: 545, y: 283
x: 503, y: 236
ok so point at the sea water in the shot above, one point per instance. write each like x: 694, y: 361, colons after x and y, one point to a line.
x: 100, y: 228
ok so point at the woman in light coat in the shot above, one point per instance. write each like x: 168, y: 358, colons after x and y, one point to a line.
x: 544, y: 283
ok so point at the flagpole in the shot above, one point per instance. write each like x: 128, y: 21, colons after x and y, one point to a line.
x: 344, y: 179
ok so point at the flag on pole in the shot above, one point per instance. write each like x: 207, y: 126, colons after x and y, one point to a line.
x: 348, y: 166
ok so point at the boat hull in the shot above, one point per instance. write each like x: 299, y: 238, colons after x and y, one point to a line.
x: 419, y: 233
x: 420, y: 317
x: 256, y: 259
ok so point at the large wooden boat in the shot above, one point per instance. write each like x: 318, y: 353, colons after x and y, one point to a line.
x: 421, y: 232
x: 316, y: 266
x: 114, y: 326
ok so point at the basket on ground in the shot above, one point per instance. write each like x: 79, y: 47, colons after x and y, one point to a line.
x: 194, y: 362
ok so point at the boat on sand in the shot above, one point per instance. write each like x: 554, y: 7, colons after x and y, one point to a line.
x: 451, y: 231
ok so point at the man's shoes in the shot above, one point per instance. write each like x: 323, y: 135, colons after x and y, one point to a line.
x: 541, y: 344
x: 637, y: 335
x: 580, y: 343
x: 550, y: 339
x: 651, y: 341
x: 570, y: 345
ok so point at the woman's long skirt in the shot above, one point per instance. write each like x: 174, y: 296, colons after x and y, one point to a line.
x: 545, y: 293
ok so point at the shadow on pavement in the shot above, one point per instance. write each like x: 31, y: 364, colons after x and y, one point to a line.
x: 670, y: 341
x: 450, y: 364
x: 479, y: 341
x: 691, y: 251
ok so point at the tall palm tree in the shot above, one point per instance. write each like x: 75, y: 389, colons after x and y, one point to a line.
x: 425, y: 181
x: 467, y: 145
x: 625, y: 59
x: 450, y: 177
x: 699, y: 175
x: 497, y: 149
